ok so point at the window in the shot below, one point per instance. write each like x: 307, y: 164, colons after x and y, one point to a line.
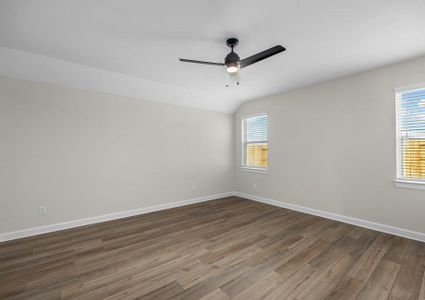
x: 255, y: 142
x: 411, y: 134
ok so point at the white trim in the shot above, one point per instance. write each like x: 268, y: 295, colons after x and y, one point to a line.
x: 409, y: 184
x: 254, y: 115
x: 6, y: 236
x: 398, y: 137
x: 417, y: 86
x: 255, y: 170
x: 414, y: 235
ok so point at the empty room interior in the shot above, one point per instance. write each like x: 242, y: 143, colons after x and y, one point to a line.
x: 212, y: 150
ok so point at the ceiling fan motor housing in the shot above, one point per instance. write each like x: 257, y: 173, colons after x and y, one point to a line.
x: 231, y: 59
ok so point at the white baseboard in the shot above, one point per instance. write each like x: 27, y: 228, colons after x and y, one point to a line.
x: 128, y: 213
x: 414, y: 235
x: 103, y: 218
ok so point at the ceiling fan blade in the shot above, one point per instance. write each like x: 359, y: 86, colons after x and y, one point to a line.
x: 201, y: 62
x: 260, y: 56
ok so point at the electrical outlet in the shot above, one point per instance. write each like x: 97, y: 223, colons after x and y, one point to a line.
x: 193, y: 187
x: 42, y: 210
x: 254, y: 185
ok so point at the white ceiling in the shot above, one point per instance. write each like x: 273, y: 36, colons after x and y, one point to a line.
x: 132, y: 47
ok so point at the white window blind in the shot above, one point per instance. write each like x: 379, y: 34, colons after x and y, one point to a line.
x: 255, y: 142
x: 411, y: 134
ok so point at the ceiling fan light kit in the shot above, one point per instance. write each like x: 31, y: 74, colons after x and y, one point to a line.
x: 232, y: 61
x: 232, y: 68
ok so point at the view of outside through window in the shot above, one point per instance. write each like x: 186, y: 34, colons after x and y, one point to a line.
x: 255, y: 143
x: 414, y: 158
x: 256, y: 155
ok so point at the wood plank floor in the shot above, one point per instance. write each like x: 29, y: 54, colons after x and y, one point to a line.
x: 230, y: 248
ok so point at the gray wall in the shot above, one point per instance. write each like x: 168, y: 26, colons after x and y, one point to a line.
x: 85, y: 154
x: 332, y: 147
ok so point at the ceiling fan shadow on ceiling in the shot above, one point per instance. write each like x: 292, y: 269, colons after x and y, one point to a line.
x: 232, y: 61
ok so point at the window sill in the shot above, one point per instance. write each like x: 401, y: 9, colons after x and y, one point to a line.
x: 409, y: 184
x: 255, y: 170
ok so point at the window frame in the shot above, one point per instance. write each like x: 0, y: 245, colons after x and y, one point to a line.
x: 400, y: 181
x: 243, y: 165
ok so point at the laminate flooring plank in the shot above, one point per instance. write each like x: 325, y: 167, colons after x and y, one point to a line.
x: 230, y: 248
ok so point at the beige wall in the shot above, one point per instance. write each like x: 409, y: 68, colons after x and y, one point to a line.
x: 85, y: 154
x: 332, y: 147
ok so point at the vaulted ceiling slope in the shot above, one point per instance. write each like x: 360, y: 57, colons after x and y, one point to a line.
x: 131, y: 47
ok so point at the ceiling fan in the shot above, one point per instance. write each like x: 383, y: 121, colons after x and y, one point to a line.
x: 233, y: 62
